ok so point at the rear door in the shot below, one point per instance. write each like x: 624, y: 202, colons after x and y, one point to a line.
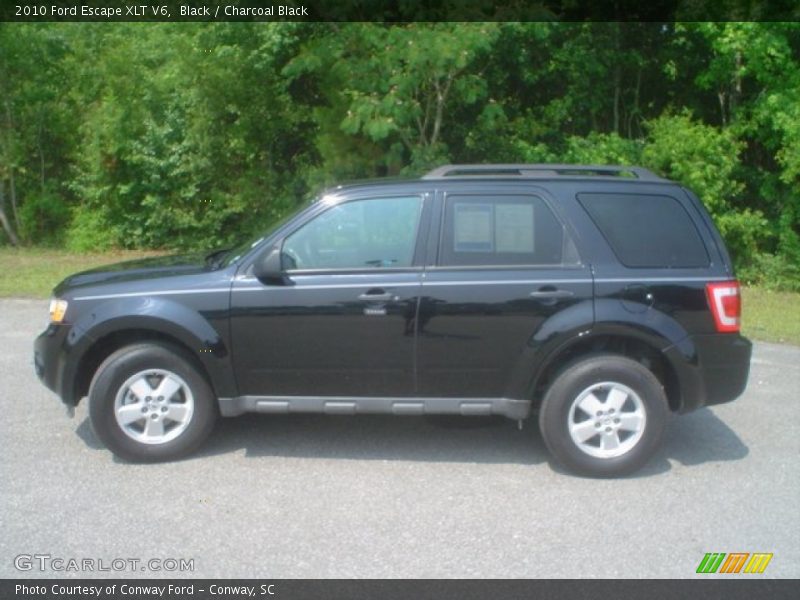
x: 504, y: 263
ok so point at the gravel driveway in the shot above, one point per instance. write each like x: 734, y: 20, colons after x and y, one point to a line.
x: 316, y: 496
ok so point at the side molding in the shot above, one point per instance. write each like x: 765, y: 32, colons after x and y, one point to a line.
x: 345, y: 405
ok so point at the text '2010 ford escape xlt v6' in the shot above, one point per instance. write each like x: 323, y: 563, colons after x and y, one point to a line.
x: 599, y: 298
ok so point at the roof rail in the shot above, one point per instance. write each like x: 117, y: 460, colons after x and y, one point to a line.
x: 542, y: 170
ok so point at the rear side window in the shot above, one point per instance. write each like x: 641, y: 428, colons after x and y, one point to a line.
x: 503, y: 230
x: 647, y: 230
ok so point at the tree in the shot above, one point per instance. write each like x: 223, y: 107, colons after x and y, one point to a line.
x: 187, y: 133
x: 34, y: 129
x: 192, y: 134
x: 397, y: 86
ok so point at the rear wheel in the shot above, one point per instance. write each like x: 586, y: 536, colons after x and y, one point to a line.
x: 147, y: 403
x: 604, y: 416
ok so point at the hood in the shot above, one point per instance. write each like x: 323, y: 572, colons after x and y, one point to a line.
x: 132, y: 270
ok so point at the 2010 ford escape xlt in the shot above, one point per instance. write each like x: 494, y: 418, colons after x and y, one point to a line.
x: 600, y: 299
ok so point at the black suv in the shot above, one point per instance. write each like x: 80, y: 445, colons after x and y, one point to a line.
x: 598, y: 298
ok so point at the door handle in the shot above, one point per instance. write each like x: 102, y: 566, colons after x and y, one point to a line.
x: 377, y: 296
x: 548, y: 294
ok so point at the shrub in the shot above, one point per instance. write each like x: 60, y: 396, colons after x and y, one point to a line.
x: 90, y: 230
x: 44, y: 217
x: 773, y: 272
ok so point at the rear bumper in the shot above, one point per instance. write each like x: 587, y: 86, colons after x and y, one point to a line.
x: 711, y: 369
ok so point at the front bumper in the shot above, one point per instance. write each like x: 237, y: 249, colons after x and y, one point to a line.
x: 50, y: 352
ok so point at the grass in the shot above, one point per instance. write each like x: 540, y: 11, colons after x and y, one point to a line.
x: 32, y: 273
x: 771, y: 316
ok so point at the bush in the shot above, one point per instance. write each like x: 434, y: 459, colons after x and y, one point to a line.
x: 602, y: 149
x: 745, y: 233
x: 773, y: 272
x: 44, y: 217
x: 701, y: 157
x: 706, y: 160
x: 91, y: 230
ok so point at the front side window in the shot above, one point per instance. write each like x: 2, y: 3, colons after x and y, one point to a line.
x: 361, y: 234
x: 503, y: 230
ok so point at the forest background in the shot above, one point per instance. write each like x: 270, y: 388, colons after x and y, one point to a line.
x: 190, y: 136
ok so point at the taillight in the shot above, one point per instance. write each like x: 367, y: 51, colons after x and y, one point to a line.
x: 725, y: 301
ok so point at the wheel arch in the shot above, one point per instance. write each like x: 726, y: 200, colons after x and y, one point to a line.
x: 646, y: 348
x: 113, y: 325
x: 105, y: 346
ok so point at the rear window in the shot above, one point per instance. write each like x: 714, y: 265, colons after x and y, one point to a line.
x: 647, y: 230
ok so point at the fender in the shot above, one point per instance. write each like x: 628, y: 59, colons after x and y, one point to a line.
x: 570, y: 324
x: 162, y: 316
x: 579, y: 324
x: 648, y: 324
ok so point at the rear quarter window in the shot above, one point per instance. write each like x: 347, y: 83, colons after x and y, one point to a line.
x: 647, y: 230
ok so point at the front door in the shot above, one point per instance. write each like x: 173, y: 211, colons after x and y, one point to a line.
x: 342, y: 322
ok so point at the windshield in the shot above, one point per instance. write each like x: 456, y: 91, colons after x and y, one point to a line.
x: 237, y: 252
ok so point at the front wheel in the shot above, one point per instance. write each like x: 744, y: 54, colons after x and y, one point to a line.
x: 147, y: 403
x: 604, y: 416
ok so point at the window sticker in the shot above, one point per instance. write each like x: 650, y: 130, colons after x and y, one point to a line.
x: 473, y: 228
x: 513, y: 228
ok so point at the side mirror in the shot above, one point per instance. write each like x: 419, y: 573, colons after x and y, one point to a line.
x: 268, y: 268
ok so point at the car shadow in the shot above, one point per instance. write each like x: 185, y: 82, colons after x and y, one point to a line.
x: 700, y: 437
x: 85, y: 432
x: 379, y: 437
x: 692, y: 439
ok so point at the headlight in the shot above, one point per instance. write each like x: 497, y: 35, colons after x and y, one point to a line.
x: 58, y: 308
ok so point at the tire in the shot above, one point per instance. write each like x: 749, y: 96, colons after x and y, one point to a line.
x: 148, y: 403
x: 604, y: 416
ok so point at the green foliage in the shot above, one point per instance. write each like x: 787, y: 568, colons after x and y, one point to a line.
x: 191, y: 135
x: 772, y: 272
x: 43, y: 217
x: 705, y: 159
x: 744, y: 231
x: 186, y: 160
x: 702, y: 157
x: 602, y: 149
x: 397, y: 86
x: 91, y: 230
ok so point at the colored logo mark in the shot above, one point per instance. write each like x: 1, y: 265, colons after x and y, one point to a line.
x: 736, y: 562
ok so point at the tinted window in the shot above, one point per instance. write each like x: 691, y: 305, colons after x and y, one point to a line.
x: 503, y: 230
x: 647, y: 231
x: 379, y: 232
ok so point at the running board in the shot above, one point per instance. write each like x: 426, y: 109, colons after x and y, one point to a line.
x: 344, y: 405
